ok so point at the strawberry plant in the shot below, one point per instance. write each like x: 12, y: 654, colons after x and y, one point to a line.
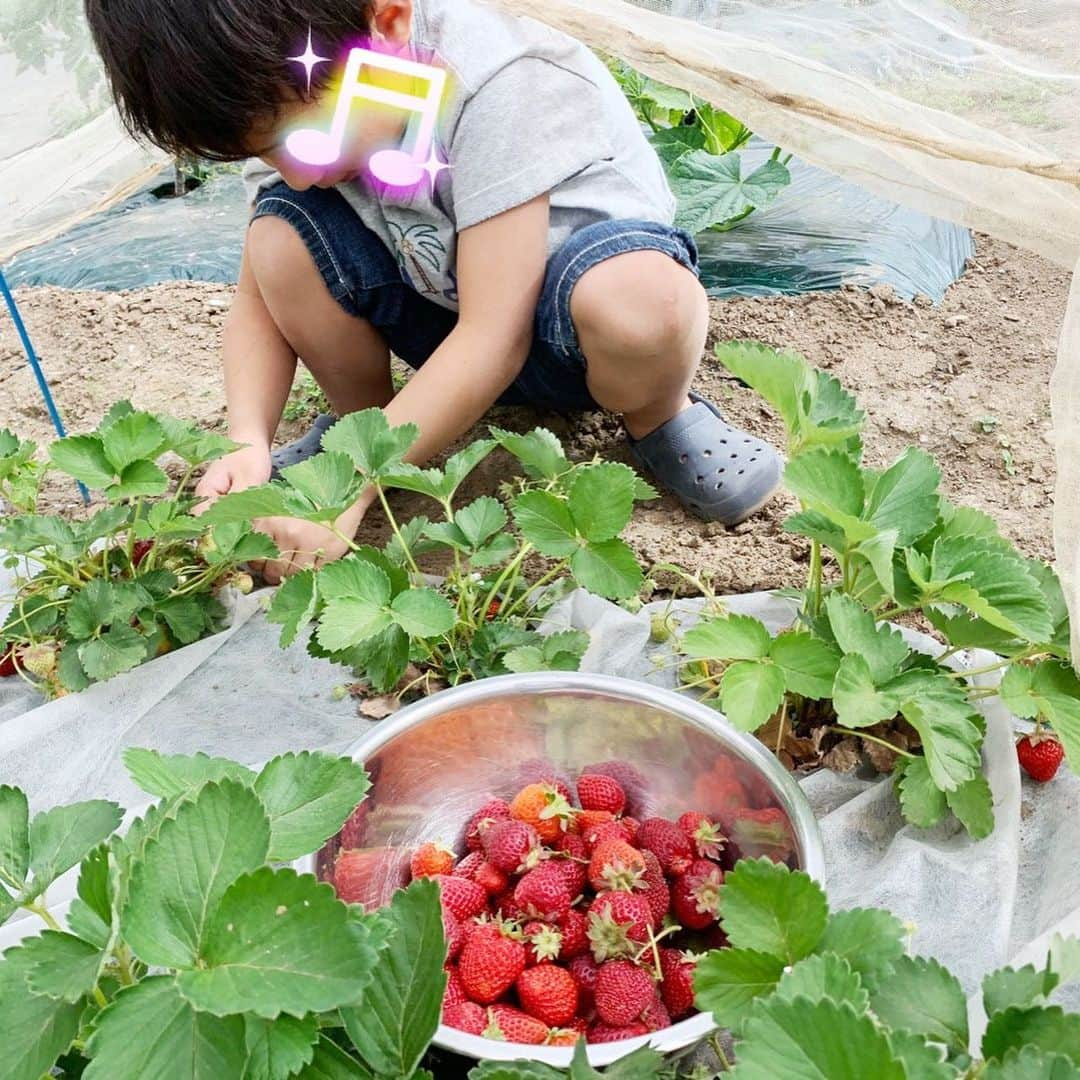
x: 886, y: 545
x: 140, y: 575
x: 191, y: 951
x: 374, y: 611
x: 697, y: 144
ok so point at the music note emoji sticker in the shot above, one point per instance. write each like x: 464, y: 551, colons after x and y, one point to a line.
x: 394, y: 167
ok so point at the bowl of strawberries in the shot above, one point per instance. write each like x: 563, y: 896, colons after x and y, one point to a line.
x: 580, y: 827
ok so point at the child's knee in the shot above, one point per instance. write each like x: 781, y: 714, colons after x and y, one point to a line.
x: 279, y: 259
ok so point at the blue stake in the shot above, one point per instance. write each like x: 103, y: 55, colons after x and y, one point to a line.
x: 35, y: 364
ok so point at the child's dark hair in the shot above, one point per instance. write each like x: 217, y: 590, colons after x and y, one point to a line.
x: 193, y: 76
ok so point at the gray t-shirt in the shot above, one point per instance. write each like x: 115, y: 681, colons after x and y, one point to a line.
x: 527, y: 110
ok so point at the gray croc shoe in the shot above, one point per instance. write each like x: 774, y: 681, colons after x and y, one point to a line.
x: 717, y: 472
x: 307, y: 446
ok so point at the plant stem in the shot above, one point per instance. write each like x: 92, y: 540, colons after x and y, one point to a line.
x: 814, y: 587
x: 99, y: 997
x: 537, y: 585
x: 872, y: 738
x: 783, y: 722
x: 988, y: 670
x: 123, y: 962
x: 510, y: 567
x: 352, y: 544
x: 394, y: 525
x: 718, y: 1049
x: 43, y: 913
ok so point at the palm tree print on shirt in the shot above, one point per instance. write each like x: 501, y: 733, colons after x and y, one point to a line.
x: 416, y: 246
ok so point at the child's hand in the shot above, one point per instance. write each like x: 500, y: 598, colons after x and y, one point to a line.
x: 304, y: 543
x: 243, y: 468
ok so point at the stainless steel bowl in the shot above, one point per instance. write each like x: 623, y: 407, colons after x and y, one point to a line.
x: 433, y: 763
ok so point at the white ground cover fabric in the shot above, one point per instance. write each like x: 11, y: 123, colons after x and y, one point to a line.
x: 974, y: 906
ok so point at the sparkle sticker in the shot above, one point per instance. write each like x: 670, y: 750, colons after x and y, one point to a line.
x: 400, y: 167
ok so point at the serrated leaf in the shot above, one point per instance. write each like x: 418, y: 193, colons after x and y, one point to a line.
x: 824, y: 976
x: 1019, y: 988
x: 869, y: 939
x: 134, y: 437
x: 857, y: 700
x: 1031, y: 1064
x: 384, y: 658
x: 373, y: 446
x: 1049, y: 1029
x: 480, y: 520
x: 187, y: 868
x: 278, y: 1048
x: 34, y: 1030
x: 831, y: 483
x: 185, y: 618
x: 308, y: 797
x: 446, y: 532
x: 356, y: 576
x: 401, y: 1011
x: 347, y: 621
x: 922, y: 997
x: 293, y: 605
x: 751, y: 692
x: 856, y: 631
x: 1057, y: 692
x: 149, y: 1030
x: 804, y: 1040
x: 61, y: 965
x: 564, y: 643
x: 539, y: 451
x: 940, y: 712
x: 141, y: 479
x: 818, y: 527
x: 524, y: 658
x: 545, y: 521
x: 83, y: 457
x: 1016, y: 690
x: 766, y: 906
x: 973, y: 805
x: 728, y: 981
x: 423, y: 613
x: 459, y: 465
x: 922, y: 1060
x: 91, y: 608
x: 729, y: 637
x: 921, y: 801
x: 808, y: 663
x: 497, y: 550
x: 711, y: 189
x: 69, y: 669
x: 119, y: 649
x: 277, y: 942
x: 515, y: 1070
x: 234, y: 541
x: 408, y: 477
x: 601, y: 499
x: 267, y: 500
x: 90, y: 915
x: 332, y: 1063
x: 328, y: 479
x: 14, y: 834
x: 608, y: 569
x: 905, y: 496
x: 62, y: 837
x: 173, y: 775
x: 1064, y: 957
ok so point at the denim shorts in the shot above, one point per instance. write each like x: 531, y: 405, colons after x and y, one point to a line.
x: 362, y: 274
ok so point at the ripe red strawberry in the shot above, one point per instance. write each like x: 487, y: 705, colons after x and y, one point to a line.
x: 139, y: 550
x: 359, y: 874
x: 1040, y: 754
x: 574, y: 927
x: 631, y: 780
x: 668, y: 843
x: 623, y: 992
x: 657, y: 892
x: 539, y: 771
x: 542, y: 942
x: 632, y: 828
x: 585, y: 820
x: 604, y: 1033
x: 677, y: 985
x: 695, y: 895
x: 763, y: 832
x: 461, y: 897
x: 549, y: 993
x: 616, y: 865
x: 430, y: 860
x: 491, y: 879
x: 466, y: 1016
x: 703, y: 834
x: 493, y: 810
x: 511, y: 846
x: 544, y: 808
x: 454, y: 932
x: 583, y: 969
x: 542, y: 894
x: 596, y: 835
x: 507, y: 908
x: 619, y: 924
x: 490, y: 963
x: 454, y: 993
x: 492, y: 610
x: 468, y: 866
x: 574, y: 873
x: 655, y: 1017
x: 599, y: 792
x: 8, y: 666
x: 512, y: 1025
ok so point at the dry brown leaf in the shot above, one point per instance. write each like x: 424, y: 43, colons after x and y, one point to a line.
x: 378, y: 708
x: 881, y: 757
x: 843, y: 757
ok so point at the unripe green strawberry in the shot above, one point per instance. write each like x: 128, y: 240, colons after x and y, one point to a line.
x: 39, y: 660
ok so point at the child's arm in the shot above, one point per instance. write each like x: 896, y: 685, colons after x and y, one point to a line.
x: 259, y: 368
x: 500, y: 270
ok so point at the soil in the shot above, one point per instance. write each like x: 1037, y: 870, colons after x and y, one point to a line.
x: 967, y: 380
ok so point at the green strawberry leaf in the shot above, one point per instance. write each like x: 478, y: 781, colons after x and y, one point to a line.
x: 196, y: 447
x: 14, y: 834
x: 186, y: 869
x: 266, y: 500
x: 728, y: 981
x: 545, y: 522
x: 61, y: 966
x: 184, y: 617
x: 497, y: 550
x: 525, y: 658
x: 921, y: 1060
x: 293, y: 605
x: 805, y: 1040
x: 459, y: 465
x: 869, y: 939
x: 69, y: 669
x: 515, y: 1070
x: 375, y: 448
x: 856, y: 631
x: 62, y: 837
x: 332, y: 1063
x: 172, y: 775
x: 408, y: 477
x: 34, y: 1030
x: 1064, y: 958
x: 1049, y: 1029
x: 540, y: 452
x: 1031, y: 1064
x: 83, y: 457
x: 824, y: 976
x: 857, y: 700
x: 384, y: 658
x: 119, y: 649
x: 939, y: 710
x: 279, y: 942
x: 973, y: 805
x: 1017, y: 691
x: 400, y: 1013
x: 1019, y: 988
x: 141, y: 479
x: 235, y: 542
x: 608, y: 569
x: 921, y: 997
x: 327, y: 479
x: 91, y: 609
x: 830, y: 483
x: 278, y: 1048
x: 808, y: 663
x: 921, y: 801
x: 347, y: 621
x: 766, y: 906
x: 480, y: 521
x: 423, y: 613
x: 905, y: 497
x: 751, y: 692
x: 90, y: 915
x: 729, y: 637
x: 150, y: 1030
x: 1056, y: 690
x: 308, y: 796
x: 601, y: 500
x: 131, y: 438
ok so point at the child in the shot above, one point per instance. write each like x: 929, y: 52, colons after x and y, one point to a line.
x: 540, y: 267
